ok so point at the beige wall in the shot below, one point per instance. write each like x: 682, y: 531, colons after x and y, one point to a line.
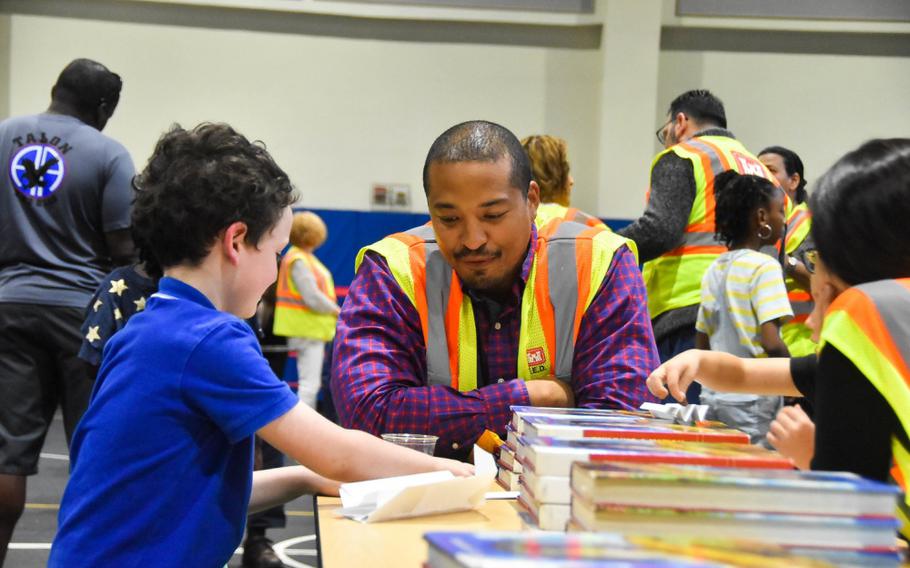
x: 341, y: 110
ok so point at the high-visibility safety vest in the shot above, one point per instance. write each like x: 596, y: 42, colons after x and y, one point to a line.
x: 870, y: 325
x: 673, y: 279
x: 546, y: 212
x: 293, y: 318
x: 795, y: 333
x: 570, y: 263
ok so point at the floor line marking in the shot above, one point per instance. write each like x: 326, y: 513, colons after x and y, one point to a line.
x: 52, y: 506
x: 281, y: 550
x: 49, y: 456
x: 29, y: 546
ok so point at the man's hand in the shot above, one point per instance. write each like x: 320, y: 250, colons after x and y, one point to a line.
x: 675, y: 376
x: 550, y: 392
x: 793, y: 434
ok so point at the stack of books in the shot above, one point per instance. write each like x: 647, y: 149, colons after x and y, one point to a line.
x: 552, y: 550
x: 549, y: 460
x: 839, y: 517
x: 510, y: 469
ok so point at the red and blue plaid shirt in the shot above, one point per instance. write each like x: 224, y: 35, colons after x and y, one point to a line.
x: 379, y: 369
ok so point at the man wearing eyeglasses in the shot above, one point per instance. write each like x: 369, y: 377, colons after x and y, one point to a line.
x: 675, y: 235
x: 65, y: 202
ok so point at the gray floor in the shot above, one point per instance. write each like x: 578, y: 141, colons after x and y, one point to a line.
x: 34, y: 533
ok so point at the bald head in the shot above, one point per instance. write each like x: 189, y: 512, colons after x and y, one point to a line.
x: 88, y: 90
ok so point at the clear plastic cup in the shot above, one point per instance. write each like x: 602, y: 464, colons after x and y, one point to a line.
x: 425, y: 443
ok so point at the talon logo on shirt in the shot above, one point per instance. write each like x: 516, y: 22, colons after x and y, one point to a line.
x: 536, y: 359
x: 37, y: 170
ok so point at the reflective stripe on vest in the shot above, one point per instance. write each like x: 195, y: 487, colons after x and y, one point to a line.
x: 570, y: 262
x: 673, y: 279
x: 798, y: 225
x: 870, y: 325
x: 547, y: 212
x: 795, y: 333
x: 293, y: 318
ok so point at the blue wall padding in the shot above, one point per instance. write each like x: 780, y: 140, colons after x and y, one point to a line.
x: 349, y: 231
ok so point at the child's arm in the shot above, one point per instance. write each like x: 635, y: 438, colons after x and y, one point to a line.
x: 770, y: 340
x: 722, y: 372
x: 347, y: 455
x: 276, y: 486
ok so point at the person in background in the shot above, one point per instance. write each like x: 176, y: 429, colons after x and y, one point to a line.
x: 743, y: 298
x: 550, y: 169
x: 305, y: 307
x: 64, y: 223
x: 162, y: 470
x: 448, y: 325
x: 675, y: 235
x: 859, y: 382
x: 787, y: 167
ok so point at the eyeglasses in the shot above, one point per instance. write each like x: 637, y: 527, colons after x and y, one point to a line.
x: 810, y: 258
x: 662, y: 133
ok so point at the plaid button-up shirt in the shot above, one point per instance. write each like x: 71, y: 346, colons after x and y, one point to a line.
x: 379, y: 369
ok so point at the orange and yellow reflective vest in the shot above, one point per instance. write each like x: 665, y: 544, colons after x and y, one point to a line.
x: 870, y: 325
x: 570, y: 263
x: 546, y: 212
x: 293, y: 318
x: 795, y: 333
x: 673, y: 279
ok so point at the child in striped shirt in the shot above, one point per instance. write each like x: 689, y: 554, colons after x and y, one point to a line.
x: 743, y: 296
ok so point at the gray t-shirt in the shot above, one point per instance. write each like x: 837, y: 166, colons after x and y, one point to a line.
x: 65, y: 185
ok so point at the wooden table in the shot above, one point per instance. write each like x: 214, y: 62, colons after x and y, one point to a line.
x: 344, y: 543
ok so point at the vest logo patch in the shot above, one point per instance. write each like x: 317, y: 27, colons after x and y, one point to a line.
x: 537, y: 359
x: 37, y: 170
x: 748, y: 166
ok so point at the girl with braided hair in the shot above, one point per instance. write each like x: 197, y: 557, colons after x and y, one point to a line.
x: 743, y: 297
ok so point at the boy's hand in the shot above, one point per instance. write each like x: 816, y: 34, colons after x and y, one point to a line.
x: 460, y: 469
x: 675, y: 376
x: 550, y: 392
x: 793, y: 434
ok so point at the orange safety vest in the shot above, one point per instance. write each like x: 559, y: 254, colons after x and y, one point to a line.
x: 570, y: 262
x: 673, y: 280
x: 795, y: 333
x: 293, y: 318
x: 870, y: 325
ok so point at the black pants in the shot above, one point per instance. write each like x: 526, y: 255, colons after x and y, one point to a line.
x: 39, y: 370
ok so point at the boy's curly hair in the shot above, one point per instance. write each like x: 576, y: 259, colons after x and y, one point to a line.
x: 195, y: 185
x: 736, y: 198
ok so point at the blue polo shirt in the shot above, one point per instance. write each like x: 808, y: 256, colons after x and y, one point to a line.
x: 162, y: 460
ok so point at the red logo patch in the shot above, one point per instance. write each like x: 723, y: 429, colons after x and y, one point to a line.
x: 536, y: 356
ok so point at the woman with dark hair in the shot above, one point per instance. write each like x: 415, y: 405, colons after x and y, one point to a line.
x: 861, y: 286
x: 787, y: 167
x: 743, y: 299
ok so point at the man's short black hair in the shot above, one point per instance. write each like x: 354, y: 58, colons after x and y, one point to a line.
x: 860, y: 209
x: 85, y: 84
x: 480, y: 141
x: 196, y: 184
x: 701, y: 106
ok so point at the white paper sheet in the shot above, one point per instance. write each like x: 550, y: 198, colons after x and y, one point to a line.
x: 681, y: 414
x: 419, y: 494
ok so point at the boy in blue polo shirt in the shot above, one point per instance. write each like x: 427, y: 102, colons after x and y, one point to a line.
x: 162, y: 460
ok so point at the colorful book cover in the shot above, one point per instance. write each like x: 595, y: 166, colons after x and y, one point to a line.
x: 551, y: 456
x: 855, y: 533
x: 628, y: 416
x: 732, y: 489
x: 587, y: 550
x: 571, y: 428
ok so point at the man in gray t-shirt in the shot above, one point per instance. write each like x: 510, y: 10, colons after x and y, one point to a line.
x: 65, y: 203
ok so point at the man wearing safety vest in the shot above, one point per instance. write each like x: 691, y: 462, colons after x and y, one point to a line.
x: 675, y: 235
x: 441, y: 320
